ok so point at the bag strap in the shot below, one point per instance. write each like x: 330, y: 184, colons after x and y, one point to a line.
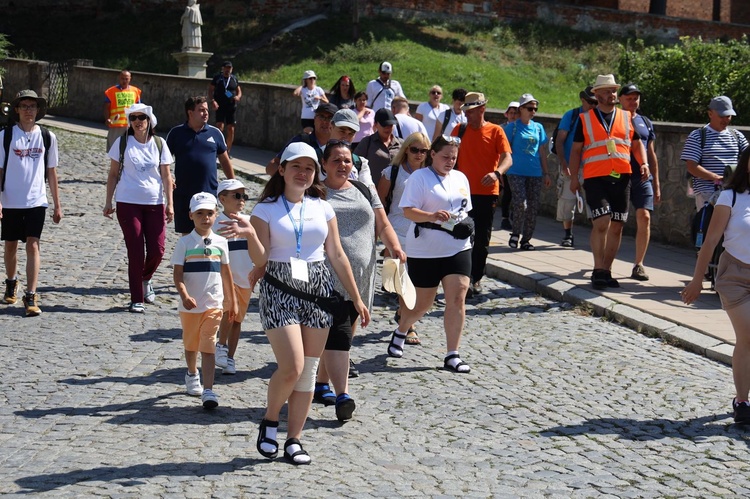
x: 389, y: 196
x: 321, y: 301
x: 447, y: 118
x: 7, y: 138
x: 361, y: 187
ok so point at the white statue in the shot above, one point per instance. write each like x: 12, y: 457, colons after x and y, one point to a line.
x: 191, y: 22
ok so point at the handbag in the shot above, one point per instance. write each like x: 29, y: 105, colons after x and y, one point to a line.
x: 334, y: 304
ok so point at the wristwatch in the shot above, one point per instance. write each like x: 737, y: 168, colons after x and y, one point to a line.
x: 646, y: 165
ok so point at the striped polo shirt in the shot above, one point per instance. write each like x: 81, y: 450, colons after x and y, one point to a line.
x: 201, y: 259
x: 721, y: 149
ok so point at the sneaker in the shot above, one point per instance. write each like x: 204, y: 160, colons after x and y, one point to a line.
x: 222, y: 354
x: 639, y: 273
x: 30, y: 301
x: 230, y: 369
x: 149, y: 296
x: 353, y: 372
x: 476, y: 288
x: 741, y: 412
x: 11, y: 287
x: 209, y: 399
x: 193, y: 385
x: 567, y: 241
x: 136, y: 308
x: 505, y: 224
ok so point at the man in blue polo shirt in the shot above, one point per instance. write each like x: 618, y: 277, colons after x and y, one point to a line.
x: 195, y: 145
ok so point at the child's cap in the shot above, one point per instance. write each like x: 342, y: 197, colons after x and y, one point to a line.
x: 203, y: 201
x: 230, y: 184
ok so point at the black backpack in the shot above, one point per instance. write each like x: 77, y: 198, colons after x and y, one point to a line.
x: 553, y: 138
x: 8, y: 138
x: 702, y: 220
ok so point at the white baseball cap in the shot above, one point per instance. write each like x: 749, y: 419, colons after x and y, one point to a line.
x: 203, y: 201
x: 229, y: 184
x: 299, y: 150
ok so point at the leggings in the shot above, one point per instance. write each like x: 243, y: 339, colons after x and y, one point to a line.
x: 526, y: 200
x: 144, y: 228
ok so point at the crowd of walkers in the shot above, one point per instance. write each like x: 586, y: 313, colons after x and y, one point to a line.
x: 363, y: 170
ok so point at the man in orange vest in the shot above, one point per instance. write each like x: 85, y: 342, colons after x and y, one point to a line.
x: 602, y: 145
x: 116, y: 99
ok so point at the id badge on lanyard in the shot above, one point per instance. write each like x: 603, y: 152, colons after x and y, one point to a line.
x: 299, y: 266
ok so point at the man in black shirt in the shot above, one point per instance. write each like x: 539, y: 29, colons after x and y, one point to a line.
x: 225, y: 93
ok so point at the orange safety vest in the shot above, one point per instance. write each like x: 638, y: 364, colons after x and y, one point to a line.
x: 597, y: 159
x: 119, y: 100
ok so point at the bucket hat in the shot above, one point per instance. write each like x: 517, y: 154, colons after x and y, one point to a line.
x: 28, y: 94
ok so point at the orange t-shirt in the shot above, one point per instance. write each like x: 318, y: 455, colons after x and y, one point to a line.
x: 479, y: 154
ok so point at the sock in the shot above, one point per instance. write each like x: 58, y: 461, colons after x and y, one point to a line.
x: 301, y: 459
x: 270, y: 433
x: 399, y: 342
x: 568, y: 232
x: 193, y: 375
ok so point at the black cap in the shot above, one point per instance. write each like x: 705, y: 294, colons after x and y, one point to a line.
x: 628, y: 89
x: 227, y: 63
x: 384, y: 117
x: 326, y: 107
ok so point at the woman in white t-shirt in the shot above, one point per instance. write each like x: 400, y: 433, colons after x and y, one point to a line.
x: 291, y: 232
x: 410, y: 158
x: 455, y: 114
x: 437, y: 200
x: 731, y: 219
x: 311, y: 95
x: 428, y: 112
x: 142, y: 188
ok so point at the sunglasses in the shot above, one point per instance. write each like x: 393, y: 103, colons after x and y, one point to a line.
x: 139, y: 117
x: 239, y: 195
x: 452, y: 140
x: 325, y: 119
x: 435, y: 92
x: 531, y: 109
x: 417, y: 150
x: 337, y: 142
x: 207, y: 250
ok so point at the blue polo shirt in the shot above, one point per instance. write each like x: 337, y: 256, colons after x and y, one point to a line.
x: 195, y: 158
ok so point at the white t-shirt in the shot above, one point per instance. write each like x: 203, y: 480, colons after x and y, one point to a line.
x: 396, y: 216
x: 408, y: 126
x: 453, y: 121
x: 201, y: 272
x: 24, y: 179
x: 381, y: 94
x: 283, y: 236
x: 425, y: 190
x: 140, y: 182
x: 309, y: 103
x: 430, y: 116
x: 239, y: 258
x: 738, y: 228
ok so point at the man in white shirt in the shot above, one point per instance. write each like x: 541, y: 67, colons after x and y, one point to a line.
x: 382, y: 90
x: 406, y: 124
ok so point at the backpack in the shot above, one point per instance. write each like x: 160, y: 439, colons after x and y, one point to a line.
x: 362, y: 188
x: 123, y: 145
x: 447, y: 118
x: 8, y: 138
x: 702, y: 220
x: 553, y: 138
x: 389, y: 196
x: 461, y: 132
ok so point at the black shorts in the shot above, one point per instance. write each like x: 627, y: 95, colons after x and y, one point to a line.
x: 608, y: 196
x: 340, y: 335
x: 428, y: 272
x: 19, y: 223
x: 225, y: 114
x: 182, y: 222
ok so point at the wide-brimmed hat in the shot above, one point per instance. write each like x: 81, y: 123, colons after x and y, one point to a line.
x: 309, y: 74
x: 297, y: 150
x: 605, y: 81
x: 472, y: 100
x: 346, y: 118
x: 395, y: 279
x: 722, y: 105
x: 525, y: 99
x: 142, y: 108
x: 28, y: 94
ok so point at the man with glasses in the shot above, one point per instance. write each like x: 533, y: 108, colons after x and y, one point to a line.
x: 28, y: 156
x: 317, y: 139
x: 566, y: 200
x: 116, y: 99
x: 196, y: 146
x: 602, y: 145
x: 483, y: 157
x: 383, y: 89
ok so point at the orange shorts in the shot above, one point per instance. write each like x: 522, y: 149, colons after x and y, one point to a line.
x: 242, y: 296
x: 199, y: 330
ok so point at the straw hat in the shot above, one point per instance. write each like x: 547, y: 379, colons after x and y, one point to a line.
x: 605, y: 81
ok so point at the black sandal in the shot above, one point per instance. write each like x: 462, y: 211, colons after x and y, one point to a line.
x: 292, y: 458
x: 396, y: 351
x: 461, y: 367
x: 263, y: 439
x: 513, y: 241
x: 527, y: 246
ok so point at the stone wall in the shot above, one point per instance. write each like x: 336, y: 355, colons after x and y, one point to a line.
x: 268, y: 115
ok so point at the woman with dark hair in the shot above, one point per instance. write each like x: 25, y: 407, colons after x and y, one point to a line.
x: 366, y: 118
x: 437, y: 201
x: 140, y: 181
x: 343, y: 93
x: 291, y: 232
x: 731, y: 219
x: 361, y: 218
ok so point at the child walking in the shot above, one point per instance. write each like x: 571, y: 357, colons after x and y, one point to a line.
x: 204, y: 281
x: 232, y: 197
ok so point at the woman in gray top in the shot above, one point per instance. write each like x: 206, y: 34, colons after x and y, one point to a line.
x: 361, y: 218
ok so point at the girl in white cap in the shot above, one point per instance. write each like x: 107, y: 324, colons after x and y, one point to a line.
x: 311, y: 96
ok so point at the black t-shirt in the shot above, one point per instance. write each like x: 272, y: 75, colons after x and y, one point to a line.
x: 225, y: 89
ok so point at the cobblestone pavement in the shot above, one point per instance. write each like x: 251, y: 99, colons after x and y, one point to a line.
x: 558, y: 404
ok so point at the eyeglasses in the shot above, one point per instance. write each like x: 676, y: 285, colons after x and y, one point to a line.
x: 531, y: 109
x: 30, y: 107
x: 240, y: 195
x: 207, y: 243
x: 325, y: 119
x: 435, y: 92
x: 139, y: 117
x: 417, y: 150
x: 337, y: 142
x: 452, y: 140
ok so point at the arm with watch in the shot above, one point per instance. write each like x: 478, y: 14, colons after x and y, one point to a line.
x: 506, y: 161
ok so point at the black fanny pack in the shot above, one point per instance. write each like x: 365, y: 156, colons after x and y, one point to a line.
x: 462, y: 230
x: 334, y: 304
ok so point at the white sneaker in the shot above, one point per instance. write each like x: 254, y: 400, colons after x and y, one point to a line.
x: 230, y: 369
x: 209, y: 398
x: 222, y: 353
x: 149, y: 296
x: 193, y: 385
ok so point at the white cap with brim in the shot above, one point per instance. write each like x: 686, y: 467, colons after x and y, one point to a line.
x: 203, y: 201
x: 142, y: 108
x: 297, y: 150
x: 229, y: 184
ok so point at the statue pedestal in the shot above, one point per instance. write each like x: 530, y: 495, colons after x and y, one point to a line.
x: 192, y: 63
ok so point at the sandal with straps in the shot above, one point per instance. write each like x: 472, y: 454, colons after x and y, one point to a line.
x: 297, y: 457
x: 263, y: 439
x: 527, y: 246
x: 513, y: 241
x: 461, y: 367
x: 393, y: 349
